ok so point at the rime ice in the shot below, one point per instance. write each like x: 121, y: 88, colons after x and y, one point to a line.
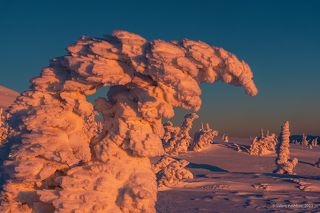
x: 203, y: 138
x: 284, y: 164
x: 60, y: 160
x: 263, y: 145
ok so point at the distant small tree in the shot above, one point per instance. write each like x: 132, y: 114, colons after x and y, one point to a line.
x: 305, y: 142
x: 315, y: 141
x: 203, y: 138
x: 261, y: 133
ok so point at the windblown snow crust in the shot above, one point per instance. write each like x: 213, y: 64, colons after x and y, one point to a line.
x: 61, y: 162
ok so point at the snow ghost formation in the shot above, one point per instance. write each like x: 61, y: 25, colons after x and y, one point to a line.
x: 263, y: 145
x: 59, y: 162
x: 177, y: 139
x: 283, y: 149
x: 284, y: 165
x: 170, y: 171
x: 203, y: 138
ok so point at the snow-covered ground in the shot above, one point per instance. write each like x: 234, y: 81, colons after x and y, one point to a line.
x: 230, y: 181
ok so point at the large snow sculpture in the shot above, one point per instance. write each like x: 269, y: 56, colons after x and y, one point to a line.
x: 58, y: 161
x: 284, y: 164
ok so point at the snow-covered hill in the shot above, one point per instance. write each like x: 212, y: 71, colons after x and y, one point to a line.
x: 7, y: 96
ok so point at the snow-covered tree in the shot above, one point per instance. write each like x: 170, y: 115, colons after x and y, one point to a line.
x: 180, y: 138
x: 262, y: 146
x: 305, y: 142
x: 203, y: 138
x: 170, y: 171
x: 284, y: 165
x: 60, y: 162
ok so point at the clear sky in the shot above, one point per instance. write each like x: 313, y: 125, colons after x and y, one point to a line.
x: 279, y: 39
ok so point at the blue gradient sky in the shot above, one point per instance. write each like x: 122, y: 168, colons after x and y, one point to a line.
x: 279, y: 39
